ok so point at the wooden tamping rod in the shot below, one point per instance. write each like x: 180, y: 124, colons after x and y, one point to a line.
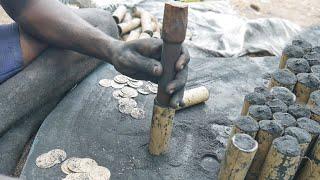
x: 174, y: 31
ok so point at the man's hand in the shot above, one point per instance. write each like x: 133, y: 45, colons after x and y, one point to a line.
x: 140, y: 59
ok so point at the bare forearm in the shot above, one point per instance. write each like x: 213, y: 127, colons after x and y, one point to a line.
x: 54, y: 23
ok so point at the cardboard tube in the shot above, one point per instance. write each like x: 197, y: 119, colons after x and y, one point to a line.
x: 269, y: 130
x: 161, y: 128
x: 303, y: 137
x: 246, y: 125
x: 128, y: 26
x: 314, y: 99
x: 119, y: 13
x: 260, y: 112
x: 252, y: 99
x: 134, y: 34
x: 127, y: 17
x: 285, y: 119
x: 240, y: 151
x: 282, y: 160
x: 144, y: 35
x: 146, y: 20
x: 284, y: 78
x: 290, y: 51
x: 298, y: 65
x: 194, y: 96
x: 307, y: 83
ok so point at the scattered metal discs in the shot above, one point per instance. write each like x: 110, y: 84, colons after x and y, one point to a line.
x: 129, y: 92
x: 135, y: 84
x: 137, y: 113
x: 125, y: 109
x: 117, y: 85
x: 128, y: 102
x: 143, y: 90
x: 51, y: 158
x: 117, y: 94
x: 105, y: 82
x: 121, y: 79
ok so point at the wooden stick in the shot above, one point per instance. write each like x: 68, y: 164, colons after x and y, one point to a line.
x: 175, y: 25
x: 252, y: 99
x: 290, y: 51
x: 307, y: 83
x: 119, y: 13
x: 128, y: 26
x: 134, y: 34
x: 245, y: 124
x: 282, y: 160
x: 269, y: 130
x: 284, y: 78
x: 194, y: 96
x: 240, y: 151
x: 314, y: 99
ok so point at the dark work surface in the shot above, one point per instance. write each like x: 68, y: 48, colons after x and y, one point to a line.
x: 86, y: 123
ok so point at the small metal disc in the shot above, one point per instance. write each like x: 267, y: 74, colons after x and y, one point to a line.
x: 129, y: 92
x: 121, y: 79
x: 135, y: 84
x: 105, y: 82
x: 125, y: 109
x: 117, y: 85
x: 137, y: 113
x: 117, y: 94
x: 128, y: 102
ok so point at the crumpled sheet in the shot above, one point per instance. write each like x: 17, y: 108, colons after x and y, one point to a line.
x: 215, y: 29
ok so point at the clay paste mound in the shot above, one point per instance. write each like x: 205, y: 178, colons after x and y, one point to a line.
x: 302, y: 135
x: 287, y: 145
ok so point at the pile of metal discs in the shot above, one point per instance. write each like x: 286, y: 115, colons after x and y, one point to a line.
x: 75, y: 168
x: 125, y: 89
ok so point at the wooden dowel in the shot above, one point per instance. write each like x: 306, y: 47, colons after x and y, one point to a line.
x: 127, y: 17
x: 194, y: 96
x: 134, y: 34
x: 128, y: 26
x: 246, y: 125
x: 240, y: 151
x: 307, y: 83
x: 252, y: 99
x: 269, y: 130
x: 175, y: 20
x: 290, y: 51
x: 284, y: 78
x: 282, y: 160
x: 119, y: 13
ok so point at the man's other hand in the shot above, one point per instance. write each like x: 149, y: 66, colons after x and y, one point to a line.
x: 140, y: 59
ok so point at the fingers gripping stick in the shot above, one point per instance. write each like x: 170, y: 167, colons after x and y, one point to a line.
x: 174, y: 31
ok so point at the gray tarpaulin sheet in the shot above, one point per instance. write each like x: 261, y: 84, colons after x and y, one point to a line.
x: 214, y: 27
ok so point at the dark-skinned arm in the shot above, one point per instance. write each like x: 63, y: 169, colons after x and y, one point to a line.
x: 55, y: 24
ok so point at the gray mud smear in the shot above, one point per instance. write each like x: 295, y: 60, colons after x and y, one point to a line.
x: 315, y: 96
x: 299, y: 111
x: 255, y: 98
x: 298, y: 65
x: 276, y: 105
x: 302, y: 135
x: 284, y: 76
x: 247, y: 124
x: 292, y: 51
x: 263, y: 90
x: 272, y: 127
x: 287, y: 145
x: 315, y: 69
x: 313, y: 58
x: 305, y: 45
x: 260, y: 112
x: 284, y: 94
x: 309, y: 80
x: 285, y: 119
x: 244, y: 142
x: 309, y: 125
